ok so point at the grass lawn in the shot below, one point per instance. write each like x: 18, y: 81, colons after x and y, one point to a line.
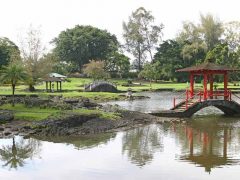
x: 21, y: 112
x: 75, y: 88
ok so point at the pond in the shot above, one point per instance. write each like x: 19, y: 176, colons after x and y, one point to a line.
x: 207, y: 147
x: 158, y: 101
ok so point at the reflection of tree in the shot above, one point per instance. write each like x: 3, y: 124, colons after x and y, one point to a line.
x: 14, y: 155
x: 83, y: 142
x: 141, y: 143
x: 206, y: 143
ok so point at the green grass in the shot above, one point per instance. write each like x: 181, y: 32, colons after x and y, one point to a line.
x: 101, y: 114
x: 21, y: 112
x: 75, y: 88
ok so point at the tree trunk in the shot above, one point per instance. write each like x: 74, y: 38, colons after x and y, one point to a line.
x: 31, y: 88
x: 139, y: 59
x: 13, y: 95
x: 151, y: 56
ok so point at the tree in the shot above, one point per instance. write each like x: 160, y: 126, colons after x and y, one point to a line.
x: 211, y: 29
x: 95, y: 70
x: 118, y: 63
x: 199, y: 38
x: 32, y: 49
x: 13, y: 73
x: 221, y: 54
x: 148, y: 72
x: 232, y: 35
x: 7, y: 48
x: 169, y: 58
x: 83, y: 43
x: 141, y: 35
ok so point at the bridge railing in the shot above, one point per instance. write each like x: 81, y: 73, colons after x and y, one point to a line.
x: 180, y: 99
x: 199, y: 97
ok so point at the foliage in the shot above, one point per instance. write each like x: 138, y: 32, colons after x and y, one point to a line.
x: 118, y: 63
x: 7, y: 49
x: 232, y: 35
x: 169, y: 59
x: 95, y: 70
x: 141, y: 35
x: 199, y: 38
x: 149, y: 72
x: 37, y: 65
x: 13, y: 73
x: 83, y: 43
x: 221, y: 54
x: 211, y: 29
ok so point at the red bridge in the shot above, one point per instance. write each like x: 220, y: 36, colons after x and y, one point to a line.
x: 192, y: 100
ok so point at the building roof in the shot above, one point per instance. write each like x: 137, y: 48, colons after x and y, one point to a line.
x: 52, y: 79
x: 57, y: 75
x: 207, y: 66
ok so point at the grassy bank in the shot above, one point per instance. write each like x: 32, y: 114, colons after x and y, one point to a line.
x: 21, y: 112
x: 75, y: 88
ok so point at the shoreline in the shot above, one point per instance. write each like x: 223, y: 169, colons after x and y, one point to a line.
x: 75, y: 125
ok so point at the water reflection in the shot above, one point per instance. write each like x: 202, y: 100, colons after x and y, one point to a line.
x: 208, y: 143
x: 141, y: 143
x: 83, y: 142
x: 15, y: 154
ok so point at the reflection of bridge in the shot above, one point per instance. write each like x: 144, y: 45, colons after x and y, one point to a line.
x: 195, y: 101
x: 101, y: 86
x: 205, y: 147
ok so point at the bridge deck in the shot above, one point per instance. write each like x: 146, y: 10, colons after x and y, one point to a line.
x: 184, y: 109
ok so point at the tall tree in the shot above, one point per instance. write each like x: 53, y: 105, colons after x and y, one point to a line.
x: 141, y: 35
x: 32, y: 49
x: 13, y: 73
x: 169, y: 59
x: 232, y: 35
x: 200, y: 38
x: 7, y: 48
x: 211, y: 29
x: 83, y: 43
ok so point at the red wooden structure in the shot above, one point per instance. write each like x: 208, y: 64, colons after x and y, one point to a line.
x: 207, y: 70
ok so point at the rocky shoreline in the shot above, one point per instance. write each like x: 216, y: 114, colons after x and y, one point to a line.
x: 70, y: 124
x: 77, y: 125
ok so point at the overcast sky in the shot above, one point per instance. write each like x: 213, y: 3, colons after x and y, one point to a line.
x: 55, y: 16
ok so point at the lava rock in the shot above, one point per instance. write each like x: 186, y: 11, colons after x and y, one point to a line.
x: 6, y: 116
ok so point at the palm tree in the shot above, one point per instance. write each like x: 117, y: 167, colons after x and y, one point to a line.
x: 13, y: 73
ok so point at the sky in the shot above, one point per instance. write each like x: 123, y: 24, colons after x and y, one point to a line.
x: 54, y: 16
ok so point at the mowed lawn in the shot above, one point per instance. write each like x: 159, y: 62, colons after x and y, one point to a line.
x: 74, y: 87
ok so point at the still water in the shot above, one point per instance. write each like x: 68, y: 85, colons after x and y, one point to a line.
x: 207, y: 147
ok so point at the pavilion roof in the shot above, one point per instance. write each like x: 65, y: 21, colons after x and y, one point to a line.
x: 52, y: 79
x: 207, y: 66
x: 57, y: 75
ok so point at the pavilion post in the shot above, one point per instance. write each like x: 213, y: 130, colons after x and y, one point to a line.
x: 211, y: 86
x: 60, y: 85
x: 46, y: 86
x: 205, y: 86
x: 191, y: 85
x: 50, y: 83
x: 225, y: 85
x: 57, y: 85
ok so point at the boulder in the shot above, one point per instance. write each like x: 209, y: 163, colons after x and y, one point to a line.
x: 6, y: 116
